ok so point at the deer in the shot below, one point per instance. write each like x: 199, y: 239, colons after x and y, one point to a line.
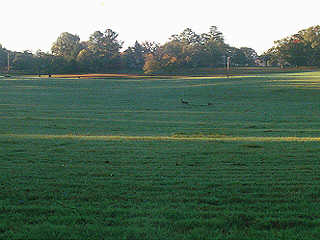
x: 184, y: 102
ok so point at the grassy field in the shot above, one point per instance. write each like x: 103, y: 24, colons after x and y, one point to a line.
x: 123, y: 158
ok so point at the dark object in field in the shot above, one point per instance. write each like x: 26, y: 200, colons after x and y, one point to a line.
x: 252, y: 146
x: 210, y: 103
x: 184, y: 102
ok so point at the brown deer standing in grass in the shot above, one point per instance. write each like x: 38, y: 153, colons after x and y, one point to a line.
x: 184, y: 102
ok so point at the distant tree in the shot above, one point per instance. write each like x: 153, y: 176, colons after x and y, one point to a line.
x: 293, y: 50
x: 187, y: 37
x: 214, y: 35
x: 127, y: 58
x: 250, y: 55
x: 271, y: 58
x: 185, y: 50
x: 238, y: 58
x: 138, y: 52
x: 67, y: 46
x: 173, y: 54
x: 134, y: 57
x: 105, y: 43
x: 266, y: 58
x: 102, y: 51
x: 3, y: 56
x: 151, y: 64
x: 193, y: 50
x: 44, y: 62
x: 311, y: 39
x: 25, y: 61
x: 85, y: 60
x: 196, y: 55
x: 150, y: 47
x: 301, y: 49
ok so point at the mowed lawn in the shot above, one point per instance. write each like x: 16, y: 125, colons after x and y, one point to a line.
x: 124, y: 158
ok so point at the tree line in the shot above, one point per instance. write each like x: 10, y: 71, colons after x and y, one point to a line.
x: 101, y: 53
x: 300, y: 49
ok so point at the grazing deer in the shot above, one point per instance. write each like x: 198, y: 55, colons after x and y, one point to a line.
x: 184, y: 102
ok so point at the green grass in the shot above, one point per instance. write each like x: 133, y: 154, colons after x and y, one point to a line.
x: 125, y: 159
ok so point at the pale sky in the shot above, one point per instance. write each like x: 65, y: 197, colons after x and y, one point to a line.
x: 36, y: 24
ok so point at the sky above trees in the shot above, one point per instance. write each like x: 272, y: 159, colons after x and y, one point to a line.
x: 35, y: 24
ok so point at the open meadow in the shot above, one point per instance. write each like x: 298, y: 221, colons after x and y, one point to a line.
x: 124, y: 158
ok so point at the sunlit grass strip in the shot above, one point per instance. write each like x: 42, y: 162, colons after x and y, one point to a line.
x: 160, y: 138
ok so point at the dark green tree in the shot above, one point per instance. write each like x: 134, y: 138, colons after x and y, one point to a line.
x: 214, y: 35
x: 271, y: 58
x: 25, y: 61
x: 134, y: 57
x: 172, y: 54
x: 44, y: 62
x: 301, y: 49
x: 105, y: 43
x: 150, y: 47
x: 250, y: 55
x: 102, y: 51
x: 238, y: 58
x: 3, y: 57
x: 187, y: 37
x: 192, y: 50
x: 67, y: 46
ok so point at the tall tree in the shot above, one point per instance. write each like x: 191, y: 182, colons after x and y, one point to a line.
x: 102, y: 50
x: 105, y: 43
x: 311, y: 38
x: 214, y: 35
x: 151, y: 64
x: 173, y: 53
x: 134, y: 57
x: 3, y: 56
x: 238, y: 58
x: 250, y: 54
x: 187, y: 37
x: 67, y: 46
x: 190, y: 49
x: 301, y: 49
x: 150, y: 47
